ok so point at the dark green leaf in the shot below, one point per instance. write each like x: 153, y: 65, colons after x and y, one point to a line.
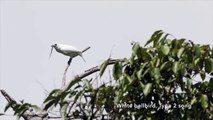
x: 211, y: 84
x: 49, y: 104
x: 153, y: 35
x: 72, y: 83
x: 202, y: 75
x: 52, y: 95
x: 166, y: 65
x: 209, y: 65
x: 136, y: 47
x: 103, y: 66
x: 63, y: 95
x: 10, y: 104
x: 146, y: 56
x: 157, y: 39
x: 163, y: 40
x: 21, y: 111
x: 117, y: 70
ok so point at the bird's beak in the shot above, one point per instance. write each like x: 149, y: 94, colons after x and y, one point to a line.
x: 52, y: 46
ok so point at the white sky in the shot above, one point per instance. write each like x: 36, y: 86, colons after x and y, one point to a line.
x: 28, y: 28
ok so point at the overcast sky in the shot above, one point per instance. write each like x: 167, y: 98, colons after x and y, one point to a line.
x: 28, y: 28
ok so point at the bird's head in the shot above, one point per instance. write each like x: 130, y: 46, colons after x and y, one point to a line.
x: 53, y: 46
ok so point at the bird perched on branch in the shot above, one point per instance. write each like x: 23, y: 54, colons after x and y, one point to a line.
x: 68, y: 50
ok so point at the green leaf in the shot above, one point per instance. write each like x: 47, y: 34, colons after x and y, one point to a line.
x: 176, y: 67
x: 147, y: 88
x: 140, y: 73
x: 10, y: 104
x: 49, y: 104
x: 79, y: 94
x: 52, y: 94
x: 88, y: 84
x: 21, y: 111
x: 197, y: 50
x: 196, y: 61
x: 117, y: 70
x: 180, y: 52
x: 193, y: 101
x: 166, y: 65
x: 157, y: 38
x: 103, y: 67
x: 155, y: 73
x: 209, y: 65
x: 63, y: 95
x: 165, y: 49
x: 189, y: 83
x: 72, y: 83
x: 152, y: 37
x: 146, y: 56
x: 63, y: 110
x: 136, y: 47
x: 204, y: 101
x: 176, y: 44
x: 163, y: 40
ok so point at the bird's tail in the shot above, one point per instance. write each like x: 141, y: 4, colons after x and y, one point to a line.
x: 82, y: 57
x: 82, y: 52
x: 85, y: 49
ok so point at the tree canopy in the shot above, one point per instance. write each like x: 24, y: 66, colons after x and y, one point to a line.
x: 167, y: 78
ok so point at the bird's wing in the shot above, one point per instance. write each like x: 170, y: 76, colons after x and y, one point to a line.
x: 69, y: 48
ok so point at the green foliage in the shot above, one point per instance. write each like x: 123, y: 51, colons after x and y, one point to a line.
x: 117, y: 70
x: 20, y: 109
x: 103, y: 66
x: 158, y: 81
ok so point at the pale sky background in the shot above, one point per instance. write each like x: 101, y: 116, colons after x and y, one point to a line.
x: 28, y: 28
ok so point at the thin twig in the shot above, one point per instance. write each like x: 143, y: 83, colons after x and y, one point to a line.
x: 68, y: 64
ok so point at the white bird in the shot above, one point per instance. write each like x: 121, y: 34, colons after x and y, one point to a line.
x: 67, y: 50
x: 70, y: 51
